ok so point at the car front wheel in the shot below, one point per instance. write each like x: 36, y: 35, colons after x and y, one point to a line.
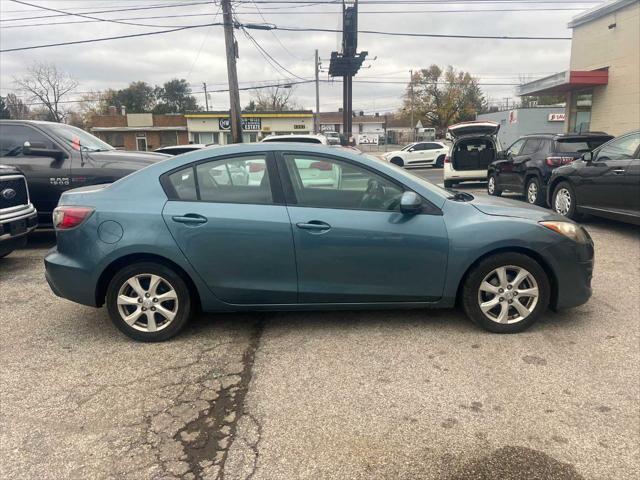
x: 397, y: 161
x: 440, y: 161
x: 492, y: 186
x: 506, y: 293
x: 563, y: 201
x: 148, y: 302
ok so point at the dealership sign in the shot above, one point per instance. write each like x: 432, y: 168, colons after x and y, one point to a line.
x: 556, y: 117
x: 248, y: 124
x: 368, y: 139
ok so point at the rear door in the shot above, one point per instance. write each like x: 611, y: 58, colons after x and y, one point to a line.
x: 47, y: 177
x: 352, y: 242
x: 604, y: 183
x: 228, y: 217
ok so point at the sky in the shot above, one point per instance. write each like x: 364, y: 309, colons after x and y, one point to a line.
x: 198, y: 54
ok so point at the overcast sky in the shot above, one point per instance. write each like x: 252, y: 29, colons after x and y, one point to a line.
x: 198, y: 54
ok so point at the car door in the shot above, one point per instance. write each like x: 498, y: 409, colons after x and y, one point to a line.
x: 233, y: 227
x: 632, y: 175
x: 504, y: 167
x: 521, y: 163
x: 352, y: 242
x: 416, y: 153
x: 431, y: 152
x: 48, y: 177
x: 603, y: 182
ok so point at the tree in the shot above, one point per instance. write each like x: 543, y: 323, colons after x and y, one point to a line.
x: 47, y: 86
x: 138, y: 97
x: 16, y: 107
x: 4, y: 111
x: 276, y: 99
x: 251, y: 107
x: 442, y: 98
x: 175, y: 97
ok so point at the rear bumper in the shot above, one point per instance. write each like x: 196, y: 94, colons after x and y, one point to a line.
x: 67, y: 279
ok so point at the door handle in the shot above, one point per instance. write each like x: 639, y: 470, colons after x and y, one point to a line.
x: 619, y: 171
x: 190, y: 219
x: 314, y: 225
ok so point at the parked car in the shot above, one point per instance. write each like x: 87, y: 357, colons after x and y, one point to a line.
x: 333, y: 138
x: 475, y: 146
x: 56, y: 157
x: 419, y: 154
x: 180, y: 149
x: 18, y: 216
x: 605, y: 182
x: 526, y: 166
x: 166, y: 240
x: 299, y: 138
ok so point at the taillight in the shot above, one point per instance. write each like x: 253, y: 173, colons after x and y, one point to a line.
x: 67, y: 217
x: 558, y: 161
x: 256, y: 167
x: 321, y: 165
x: 447, y: 159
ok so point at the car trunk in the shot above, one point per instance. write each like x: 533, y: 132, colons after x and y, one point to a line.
x: 475, y: 153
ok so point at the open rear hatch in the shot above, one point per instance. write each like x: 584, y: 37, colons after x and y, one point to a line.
x: 479, y: 128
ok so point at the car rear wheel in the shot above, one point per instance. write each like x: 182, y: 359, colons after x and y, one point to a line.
x: 506, y: 293
x: 440, y: 162
x: 492, y: 186
x: 148, y: 302
x: 563, y: 201
x: 533, y: 192
x: 397, y: 161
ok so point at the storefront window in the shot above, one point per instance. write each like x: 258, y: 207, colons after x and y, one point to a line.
x: 580, y: 119
x: 205, y: 137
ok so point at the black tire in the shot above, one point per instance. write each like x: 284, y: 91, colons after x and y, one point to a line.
x: 440, y: 162
x: 471, y: 292
x: 449, y: 183
x: 533, y: 192
x: 397, y: 161
x: 171, y: 279
x: 492, y: 186
x: 566, y: 190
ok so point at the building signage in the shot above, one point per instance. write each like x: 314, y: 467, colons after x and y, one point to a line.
x: 368, y: 139
x: 556, y: 117
x: 248, y: 124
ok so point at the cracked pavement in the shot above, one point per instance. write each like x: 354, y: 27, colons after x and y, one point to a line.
x: 333, y: 395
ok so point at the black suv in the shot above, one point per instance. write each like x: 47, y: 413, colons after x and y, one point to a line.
x: 56, y: 157
x: 18, y: 217
x: 526, y: 166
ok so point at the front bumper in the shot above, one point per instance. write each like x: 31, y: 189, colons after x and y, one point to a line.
x: 573, y: 266
x: 68, y: 279
x: 15, y: 227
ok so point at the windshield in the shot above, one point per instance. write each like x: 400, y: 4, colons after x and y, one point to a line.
x: 79, y: 139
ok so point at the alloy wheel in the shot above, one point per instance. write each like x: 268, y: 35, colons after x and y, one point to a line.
x: 147, y: 302
x: 532, y: 192
x: 562, y: 203
x: 508, y: 294
x: 491, y: 185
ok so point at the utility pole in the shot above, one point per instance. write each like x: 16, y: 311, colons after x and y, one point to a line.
x: 206, y: 96
x: 316, y: 126
x: 413, y: 127
x: 232, y: 74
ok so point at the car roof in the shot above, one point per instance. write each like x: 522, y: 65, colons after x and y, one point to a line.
x: 569, y: 136
x: 195, y: 146
x: 35, y: 122
x: 275, y: 138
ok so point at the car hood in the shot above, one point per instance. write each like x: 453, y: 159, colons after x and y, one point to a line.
x: 512, y: 208
x: 125, y: 159
x: 474, y: 128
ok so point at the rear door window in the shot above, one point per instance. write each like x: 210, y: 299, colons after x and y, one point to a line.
x: 578, y: 145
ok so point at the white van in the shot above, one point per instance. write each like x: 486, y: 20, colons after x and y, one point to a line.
x: 475, y: 146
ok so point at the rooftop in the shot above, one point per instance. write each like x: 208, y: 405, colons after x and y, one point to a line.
x: 599, y: 11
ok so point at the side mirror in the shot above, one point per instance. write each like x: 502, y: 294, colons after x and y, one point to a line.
x: 410, y: 203
x: 501, y: 155
x: 38, y: 151
x: 587, y: 156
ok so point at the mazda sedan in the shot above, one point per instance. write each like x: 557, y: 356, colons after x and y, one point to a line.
x: 246, y: 228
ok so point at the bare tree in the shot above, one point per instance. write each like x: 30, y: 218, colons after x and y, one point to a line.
x: 273, y: 99
x: 48, y: 86
x: 16, y: 107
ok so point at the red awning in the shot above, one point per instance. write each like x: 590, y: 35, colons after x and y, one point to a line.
x: 565, y: 81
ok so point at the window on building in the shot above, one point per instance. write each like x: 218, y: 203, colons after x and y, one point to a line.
x: 205, y: 137
x: 168, y: 139
x: 580, y: 116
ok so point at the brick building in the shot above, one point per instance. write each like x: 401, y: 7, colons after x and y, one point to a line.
x: 140, y: 131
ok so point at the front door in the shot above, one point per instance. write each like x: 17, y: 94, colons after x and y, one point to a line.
x: 230, y: 222
x: 603, y: 180
x: 505, y: 168
x: 47, y: 177
x: 352, y: 242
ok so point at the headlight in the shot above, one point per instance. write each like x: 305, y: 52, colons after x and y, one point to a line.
x: 569, y: 230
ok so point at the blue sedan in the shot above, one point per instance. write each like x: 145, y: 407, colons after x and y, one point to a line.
x: 275, y: 226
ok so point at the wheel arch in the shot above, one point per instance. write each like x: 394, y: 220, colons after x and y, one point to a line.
x: 553, y: 184
x: 111, y: 269
x: 553, y: 280
x: 395, y: 159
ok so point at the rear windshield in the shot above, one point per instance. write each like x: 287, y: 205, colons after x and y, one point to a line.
x: 579, y: 145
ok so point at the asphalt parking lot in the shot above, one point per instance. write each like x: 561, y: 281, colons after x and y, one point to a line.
x: 333, y: 395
